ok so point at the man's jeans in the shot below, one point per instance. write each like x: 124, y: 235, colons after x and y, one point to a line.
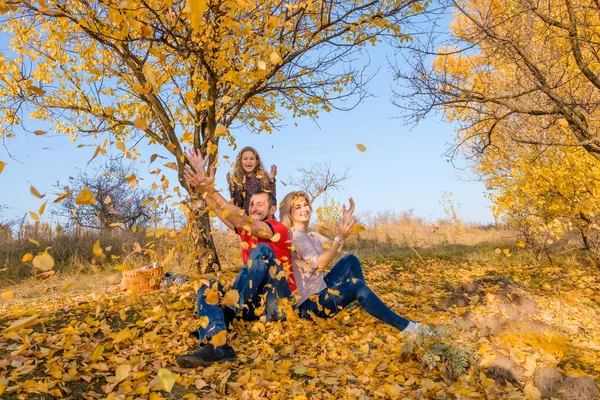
x: 260, y: 284
x: 346, y: 283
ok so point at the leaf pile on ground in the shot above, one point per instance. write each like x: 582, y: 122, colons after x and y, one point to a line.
x: 513, y: 327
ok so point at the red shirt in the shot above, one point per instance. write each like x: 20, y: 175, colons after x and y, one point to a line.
x: 281, y: 247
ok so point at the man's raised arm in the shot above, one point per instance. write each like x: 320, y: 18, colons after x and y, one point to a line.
x: 232, y: 216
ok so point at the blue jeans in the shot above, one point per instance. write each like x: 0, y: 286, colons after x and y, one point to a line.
x: 346, y: 283
x: 260, y: 287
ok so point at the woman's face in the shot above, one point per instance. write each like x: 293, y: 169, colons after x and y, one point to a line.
x: 300, y: 212
x: 249, y: 161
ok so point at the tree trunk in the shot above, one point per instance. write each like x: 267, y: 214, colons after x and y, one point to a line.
x: 208, y: 259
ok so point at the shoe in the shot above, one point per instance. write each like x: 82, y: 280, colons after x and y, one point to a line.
x: 417, y: 328
x: 207, y: 355
x: 229, y: 315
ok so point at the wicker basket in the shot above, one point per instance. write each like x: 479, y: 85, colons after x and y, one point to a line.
x: 143, y: 280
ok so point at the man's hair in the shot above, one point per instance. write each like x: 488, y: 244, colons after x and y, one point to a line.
x: 272, y: 200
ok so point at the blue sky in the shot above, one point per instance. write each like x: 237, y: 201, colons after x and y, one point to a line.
x: 402, y: 168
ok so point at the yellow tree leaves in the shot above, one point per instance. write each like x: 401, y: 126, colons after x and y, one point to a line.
x: 166, y: 379
x: 361, y: 147
x: 44, y: 261
x: 85, y: 197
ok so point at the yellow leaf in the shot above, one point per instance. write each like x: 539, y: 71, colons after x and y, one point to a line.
x: 140, y: 123
x: 166, y: 379
x: 34, y: 242
x: 358, y: 228
x: 122, y: 372
x: 62, y: 196
x: 498, y: 251
x: 275, y: 238
x: 220, y: 130
x: 85, y: 197
x: 275, y: 57
x: 212, y: 297
x: 204, y: 320
x: 506, y: 252
x: 532, y: 392
x: 2, y: 164
x: 97, y: 250
x: 67, y: 286
x: 563, y: 123
x: 27, y: 257
x: 361, y: 147
x: 122, y: 336
x: 97, y: 353
x: 43, y: 207
x: 39, y: 132
x: 231, y: 298
x: 211, y: 148
x: 43, y: 262
x: 220, y: 338
x: 225, y: 99
x: 23, y: 323
x: 34, y: 216
x: 262, y: 65
x: 121, y: 146
x: 7, y: 295
x: 107, y: 200
x: 521, y: 244
x: 36, y: 193
x: 197, y: 9
x: 149, y: 74
x: 262, y: 118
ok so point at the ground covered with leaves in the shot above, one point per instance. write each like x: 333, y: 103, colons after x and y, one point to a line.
x: 513, y: 331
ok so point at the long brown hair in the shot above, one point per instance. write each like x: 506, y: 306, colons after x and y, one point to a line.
x: 285, y: 207
x: 239, y: 176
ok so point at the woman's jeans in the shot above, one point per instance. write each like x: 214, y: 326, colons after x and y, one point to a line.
x: 260, y: 284
x: 346, y: 283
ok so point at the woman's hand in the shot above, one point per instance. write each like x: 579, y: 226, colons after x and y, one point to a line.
x: 347, y: 221
x: 273, y: 172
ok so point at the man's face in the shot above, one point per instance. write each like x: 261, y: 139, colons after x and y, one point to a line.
x: 259, y: 207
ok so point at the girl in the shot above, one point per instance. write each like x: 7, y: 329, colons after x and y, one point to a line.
x: 326, y: 294
x: 249, y: 177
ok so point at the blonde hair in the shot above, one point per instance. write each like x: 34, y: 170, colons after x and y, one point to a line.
x: 239, y: 177
x: 285, y: 207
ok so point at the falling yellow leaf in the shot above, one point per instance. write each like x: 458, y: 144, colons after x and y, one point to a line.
x: 231, y: 298
x: 2, y: 164
x: 43, y: 262
x: 34, y: 216
x: 107, y: 200
x: 43, y: 208
x: 358, y: 228
x: 34, y: 242
x: 7, y: 295
x: 62, y: 196
x: 121, y: 146
x: 262, y: 65
x: 36, y: 193
x: 361, y: 147
x: 85, y: 197
x: 39, y: 132
x: 27, y: 257
x: 97, y: 250
x: 563, y: 122
x: 521, y: 244
x: 23, y: 323
x: 498, y: 251
x: 166, y: 379
x: 220, y: 130
x: 276, y: 237
x: 275, y: 58
x: 506, y: 252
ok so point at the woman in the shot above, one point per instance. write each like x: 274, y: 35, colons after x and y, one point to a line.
x: 326, y: 294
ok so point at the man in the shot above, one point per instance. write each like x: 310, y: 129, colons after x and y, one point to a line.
x: 264, y: 279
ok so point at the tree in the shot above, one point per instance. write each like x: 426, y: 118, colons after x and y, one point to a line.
x: 317, y: 179
x: 521, y: 80
x: 120, y: 202
x: 178, y: 74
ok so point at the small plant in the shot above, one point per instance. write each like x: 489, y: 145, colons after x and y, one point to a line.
x: 437, y: 348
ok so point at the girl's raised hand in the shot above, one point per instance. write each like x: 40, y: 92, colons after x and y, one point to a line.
x: 347, y: 212
x: 273, y: 172
x: 229, y: 180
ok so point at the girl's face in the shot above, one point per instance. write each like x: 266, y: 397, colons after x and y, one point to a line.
x: 300, y: 212
x: 249, y: 161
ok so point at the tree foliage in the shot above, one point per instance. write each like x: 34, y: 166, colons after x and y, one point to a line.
x: 181, y: 74
x: 521, y: 80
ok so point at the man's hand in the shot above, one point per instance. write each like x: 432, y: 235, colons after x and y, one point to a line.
x: 273, y: 173
x: 198, y: 177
